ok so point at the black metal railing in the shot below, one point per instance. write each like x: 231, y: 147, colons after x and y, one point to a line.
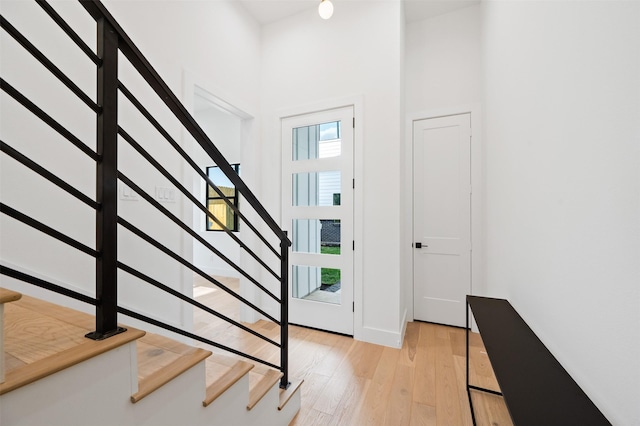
x: 111, y: 43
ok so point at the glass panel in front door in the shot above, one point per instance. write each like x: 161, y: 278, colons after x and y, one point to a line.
x: 316, y: 283
x: 316, y: 236
x: 316, y: 188
x: 316, y: 141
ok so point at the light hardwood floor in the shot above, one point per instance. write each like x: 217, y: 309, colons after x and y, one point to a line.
x: 349, y: 382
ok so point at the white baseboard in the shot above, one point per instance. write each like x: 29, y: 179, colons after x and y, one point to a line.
x: 382, y: 337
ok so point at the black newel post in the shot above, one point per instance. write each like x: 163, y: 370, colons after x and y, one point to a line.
x: 107, y: 184
x: 284, y: 311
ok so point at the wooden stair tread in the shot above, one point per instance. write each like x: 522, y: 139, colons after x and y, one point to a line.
x: 160, y: 360
x: 7, y: 295
x: 262, y: 386
x: 231, y: 376
x: 61, y: 313
x: 35, y: 329
x: 31, y: 336
x: 44, y: 367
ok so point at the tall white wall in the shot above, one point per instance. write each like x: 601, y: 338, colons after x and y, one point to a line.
x: 357, y: 52
x: 443, y: 60
x: 562, y: 92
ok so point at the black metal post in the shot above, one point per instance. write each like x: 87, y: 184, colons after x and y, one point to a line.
x: 107, y: 185
x: 284, y: 311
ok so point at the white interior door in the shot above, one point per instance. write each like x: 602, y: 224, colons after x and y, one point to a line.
x: 442, y: 218
x: 317, y: 211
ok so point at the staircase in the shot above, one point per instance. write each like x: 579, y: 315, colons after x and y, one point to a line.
x: 54, y: 376
x: 76, y: 244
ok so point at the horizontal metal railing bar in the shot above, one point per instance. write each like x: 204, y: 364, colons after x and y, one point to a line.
x: 29, y: 47
x: 69, y: 31
x: 25, y: 102
x: 189, y: 265
x: 27, y: 162
x: 10, y: 272
x: 144, y: 68
x: 181, y: 332
x: 194, y: 234
x: 172, y: 179
x: 146, y: 114
x: 195, y: 201
x: 27, y: 220
x: 191, y: 301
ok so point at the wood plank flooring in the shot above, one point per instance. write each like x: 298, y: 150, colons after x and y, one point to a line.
x: 353, y: 383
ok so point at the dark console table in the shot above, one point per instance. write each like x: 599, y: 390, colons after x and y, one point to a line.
x: 536, y: 388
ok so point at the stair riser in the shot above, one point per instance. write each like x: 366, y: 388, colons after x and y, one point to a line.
x: 178, y: 402
x: 83, y: 393
x: 232, y: 404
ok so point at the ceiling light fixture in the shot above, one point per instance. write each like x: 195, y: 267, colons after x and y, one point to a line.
x: 325, y: 9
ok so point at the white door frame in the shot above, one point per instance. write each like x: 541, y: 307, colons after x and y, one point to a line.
x: 358, y: 201
x: 191, y: 82
x: 477, y: 185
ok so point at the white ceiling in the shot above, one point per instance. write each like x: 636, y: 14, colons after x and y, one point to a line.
x: 268, y: 11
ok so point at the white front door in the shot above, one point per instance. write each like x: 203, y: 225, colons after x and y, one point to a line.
x: 442, y: 218
x: 317, y: 211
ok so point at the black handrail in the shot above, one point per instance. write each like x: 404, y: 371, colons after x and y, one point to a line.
x: 111, y: 39
x: 144, y: 68
x: 146, y: 114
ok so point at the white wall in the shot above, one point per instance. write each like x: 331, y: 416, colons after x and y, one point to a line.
x: 562, y: 92
x: 443, y: 76
x: 357, y: 52
x: 443, y: 61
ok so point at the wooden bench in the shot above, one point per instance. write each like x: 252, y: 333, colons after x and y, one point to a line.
x: 536, y: 388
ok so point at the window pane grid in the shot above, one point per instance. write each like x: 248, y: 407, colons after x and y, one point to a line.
x: 217, y: 205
